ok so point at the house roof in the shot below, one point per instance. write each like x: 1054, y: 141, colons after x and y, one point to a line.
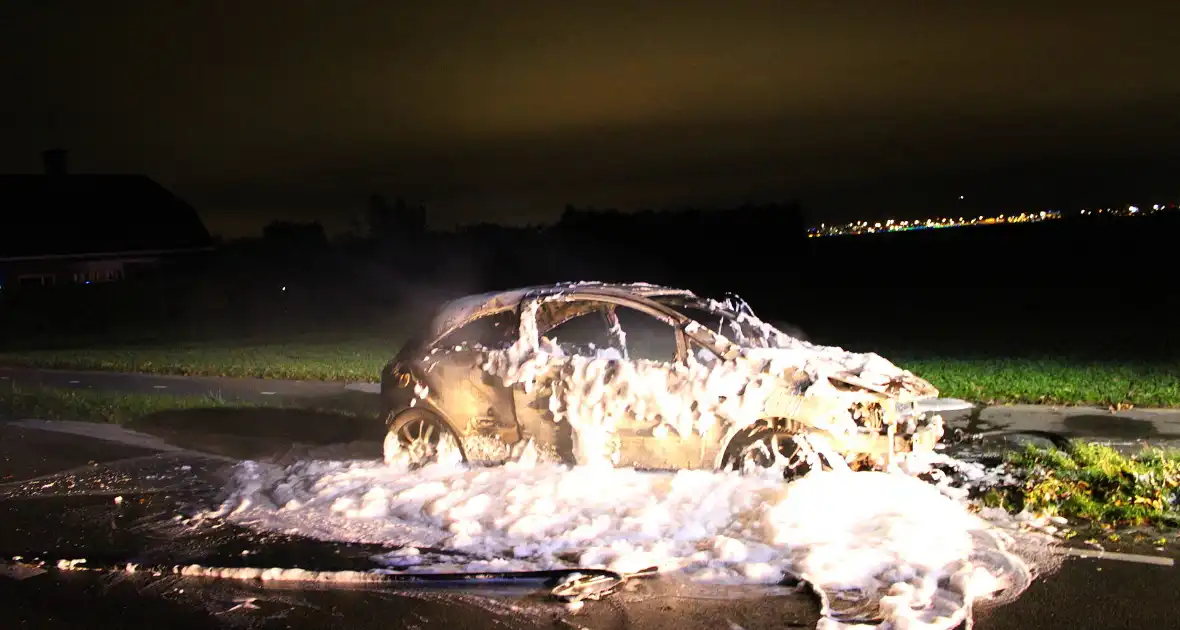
x: 80, y: 215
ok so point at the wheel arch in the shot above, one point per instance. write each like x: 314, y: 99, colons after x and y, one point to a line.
x: 734, y: 436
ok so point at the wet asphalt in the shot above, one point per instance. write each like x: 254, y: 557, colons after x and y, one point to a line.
x: 58, y: 502
x: 58, y: 489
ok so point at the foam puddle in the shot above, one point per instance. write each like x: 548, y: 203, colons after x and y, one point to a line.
x: 874, y: 544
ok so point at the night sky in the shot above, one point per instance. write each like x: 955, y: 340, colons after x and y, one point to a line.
x: 505, y: 110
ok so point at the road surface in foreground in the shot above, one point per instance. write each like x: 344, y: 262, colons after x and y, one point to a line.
x: 123, y: 490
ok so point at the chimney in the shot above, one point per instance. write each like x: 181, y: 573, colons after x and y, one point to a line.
x: 55, y: 161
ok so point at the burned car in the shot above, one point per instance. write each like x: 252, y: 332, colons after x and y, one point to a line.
x: 649, y: 377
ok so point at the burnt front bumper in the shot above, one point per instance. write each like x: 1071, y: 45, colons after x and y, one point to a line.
x: 880, y: 443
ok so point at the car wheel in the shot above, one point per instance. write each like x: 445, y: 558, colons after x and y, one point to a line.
x: 418, y: 438
x: 765, y: 448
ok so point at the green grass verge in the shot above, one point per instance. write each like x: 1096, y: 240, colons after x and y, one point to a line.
x: 1097, y: 484
x: 59, y: 404
x: 1052, y: 381
x: 120, y: 408
x: 358, y: 360
x: 1017, y: 380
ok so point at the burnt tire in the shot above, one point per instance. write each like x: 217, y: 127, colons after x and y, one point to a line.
x: 418, y: 435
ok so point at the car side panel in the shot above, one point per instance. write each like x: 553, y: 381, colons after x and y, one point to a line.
x: 476, y: 404
x: 553, y: 440
x: 640, y: 444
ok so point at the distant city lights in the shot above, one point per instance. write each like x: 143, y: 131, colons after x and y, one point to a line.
x: 894, y: 225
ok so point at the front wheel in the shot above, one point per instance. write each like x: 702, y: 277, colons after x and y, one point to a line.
x: 418, y: 439
x: 765, y: 448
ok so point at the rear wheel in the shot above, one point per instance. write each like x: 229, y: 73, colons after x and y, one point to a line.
x: 419, y: 438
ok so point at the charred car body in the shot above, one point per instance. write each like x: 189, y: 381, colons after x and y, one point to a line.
x: 644, y: 376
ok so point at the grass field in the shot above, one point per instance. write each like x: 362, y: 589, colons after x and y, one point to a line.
x: 1052, y: 381
x: 55, y: 404
x: 1013, y: 380
x: 119, y: 408
x: 354, y: 360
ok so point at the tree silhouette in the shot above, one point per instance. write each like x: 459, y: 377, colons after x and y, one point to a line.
x: 399, y: 220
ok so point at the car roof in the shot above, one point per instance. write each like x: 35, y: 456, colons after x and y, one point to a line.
x: 459, y: 311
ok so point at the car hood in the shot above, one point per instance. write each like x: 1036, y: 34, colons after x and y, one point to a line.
x: 906, y: 387
x: 843, y: 369
x: 777, y: 352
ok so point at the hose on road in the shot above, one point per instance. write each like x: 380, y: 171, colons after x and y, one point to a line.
x: 573, y: 584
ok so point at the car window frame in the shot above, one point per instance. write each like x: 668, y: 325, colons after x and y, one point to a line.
x: 513, y: 312
x: 601, y: 312
x: 672, y: 320
x: 678, y: 303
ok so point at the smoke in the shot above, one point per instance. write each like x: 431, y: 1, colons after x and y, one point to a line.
x: 790, y: 329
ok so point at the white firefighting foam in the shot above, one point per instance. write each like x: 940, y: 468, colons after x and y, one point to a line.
x: 874, y: 544
x: 714, y: 397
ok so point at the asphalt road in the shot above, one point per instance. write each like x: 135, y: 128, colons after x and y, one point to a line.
x: 58, y: 483
x: 58, y: 502
x: 1126, y: 427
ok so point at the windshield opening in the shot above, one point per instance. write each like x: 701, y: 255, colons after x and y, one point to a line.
x: 743, y: 329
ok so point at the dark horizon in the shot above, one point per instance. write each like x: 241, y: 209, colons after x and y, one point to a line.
x: 299, y: 111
